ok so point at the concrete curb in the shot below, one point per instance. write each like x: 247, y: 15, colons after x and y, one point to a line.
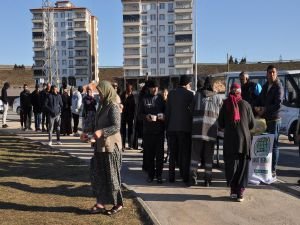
x: 146, y: 210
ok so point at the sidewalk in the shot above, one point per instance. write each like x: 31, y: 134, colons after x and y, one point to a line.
x: 175, y: 204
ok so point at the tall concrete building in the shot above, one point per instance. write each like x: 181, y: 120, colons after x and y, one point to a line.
x: 158, y: 38
x: 69, y: 36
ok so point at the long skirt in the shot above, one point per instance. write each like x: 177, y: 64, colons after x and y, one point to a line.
x: 106, y: 177
x: 66, y: 122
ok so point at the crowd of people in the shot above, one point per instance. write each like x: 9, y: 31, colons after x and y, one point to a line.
x: 188, y: 120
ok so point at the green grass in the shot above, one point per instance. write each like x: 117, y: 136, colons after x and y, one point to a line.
x: 42, y: 186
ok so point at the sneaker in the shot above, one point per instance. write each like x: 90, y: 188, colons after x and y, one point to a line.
x: 240, y: 198
x: 4, y: 126
x: 76, y: 134
x: 233, y: 193
x: 50, y: 143
x: 274, y: 174
x: 207, y: 183
x: 58, y: 143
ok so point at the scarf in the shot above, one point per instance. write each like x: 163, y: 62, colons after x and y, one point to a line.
x: 232, y: 101
x: 108, y: 94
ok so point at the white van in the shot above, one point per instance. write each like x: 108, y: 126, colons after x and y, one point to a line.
x: 289, y: 112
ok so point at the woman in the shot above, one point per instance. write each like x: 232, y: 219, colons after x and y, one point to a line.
x: 66, y: 115
x: 106, y: 163
x: 89, y: 111
x: 236, y: 118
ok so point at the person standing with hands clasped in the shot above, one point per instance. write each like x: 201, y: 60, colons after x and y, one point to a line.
x: 237, y: 119
x: 268, y: 106
x: 106, y: 162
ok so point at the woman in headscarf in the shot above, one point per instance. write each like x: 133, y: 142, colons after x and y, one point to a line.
x: 236, y: 118
x: 106, y: 163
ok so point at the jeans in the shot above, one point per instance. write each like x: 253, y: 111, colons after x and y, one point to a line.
x: 54, y: 122
x: 273, y: 128
x: 37, y: 120
x: 4, y: 116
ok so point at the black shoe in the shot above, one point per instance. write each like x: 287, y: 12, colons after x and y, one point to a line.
x: 150, y: 180
x: 4, y: 126
x: 159, y: 180
x: 166, y: 159
x: 171, y: 179
x: 207, y: 183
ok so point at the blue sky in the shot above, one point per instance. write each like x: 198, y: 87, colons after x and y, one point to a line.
x: 260, y: 30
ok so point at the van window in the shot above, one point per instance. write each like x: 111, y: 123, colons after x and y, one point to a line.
x: 292, y: 90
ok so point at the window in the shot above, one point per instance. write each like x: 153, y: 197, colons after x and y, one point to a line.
x: 161, y: 39
x: 56, y: 24
x: 144, y: 19
x: 70, y: 34
x: 57, y: 34
x: 63, y: 33
x: 70, y: 62
x: 144, y: 29
x: 144, y: 8
x: 62, y: 15
x: 63, y: 62
x: 62, y: 24
x: 162, y: 71
x: 170, y: 7
x: 153, y: 39
x: 71, y: 72
x: 57, y: 43
x: 162, y: 60
x: 162, y: 5
x: 144, y: 62
x: 153, y: 28
x: 63, y: 52
x: 64, y: 71
x: 171, y: 71
x: 153, y: 6
x: 161, y: 16
x: 70, y: 24
x: 69, y: 15
x: 170, y: 18
x: 170, y: 28
x: 171, y: 50
x: 170, y: 39
x: 55, y: 15
x: 152, y: 17
x: 144, y: 40
x: 153, y: 71
x: 171, y: 61
x: 161, y: 27
x: 144, y: 51
x: 153, y: 60
x: 70, y: 53
x: 70, y: 44
x: 63, y: 43
x: 161, y: 49
x: 153, y: 49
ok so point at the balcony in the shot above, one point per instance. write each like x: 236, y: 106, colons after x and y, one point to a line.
x: 130, y: 9
x: 37, y: 19
x: 130, y: 20
x: 183, y: 7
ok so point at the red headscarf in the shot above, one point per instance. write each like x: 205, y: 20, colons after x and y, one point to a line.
x: 231, y: 102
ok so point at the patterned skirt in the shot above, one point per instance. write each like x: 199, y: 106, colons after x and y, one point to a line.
x: 106, y: 177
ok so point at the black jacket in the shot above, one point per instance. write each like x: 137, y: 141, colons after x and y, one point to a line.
x: 25, y: 99
x: 36, y: 101
x: 53, y: 104
x: 4, y: 95
x: 271, y: 100
x: 129, y: 106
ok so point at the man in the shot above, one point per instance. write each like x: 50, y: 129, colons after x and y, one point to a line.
x: 268, y: 106
x: 76, y: 109
x: 4, y: 99
x: 250, y: 90
x: 179, y: 127
x: 206, y: 107
x: 127, y: 116
x: 26, y: 107
x: 45, y: 115
x: 37, y: 107
x: 151, y: 110
x: 54, y: 105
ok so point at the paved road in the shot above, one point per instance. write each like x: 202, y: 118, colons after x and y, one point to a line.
x: 175, y: 204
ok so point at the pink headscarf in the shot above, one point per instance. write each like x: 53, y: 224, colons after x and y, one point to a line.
x: 232, y: 102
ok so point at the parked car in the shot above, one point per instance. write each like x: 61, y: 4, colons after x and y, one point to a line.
x: 1, y: 107
x: 16, y: 106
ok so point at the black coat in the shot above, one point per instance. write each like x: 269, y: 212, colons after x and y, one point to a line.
x: 36, y: 101
x: 53, y: 104
x: 25, y: 99
x: 237, y: 138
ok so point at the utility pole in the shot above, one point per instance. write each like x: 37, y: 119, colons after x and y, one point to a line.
x: 50, y: 68
x: 196, y: 66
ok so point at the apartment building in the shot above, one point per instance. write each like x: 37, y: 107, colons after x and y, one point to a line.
x: 73, y: 35
x: 158, y: 38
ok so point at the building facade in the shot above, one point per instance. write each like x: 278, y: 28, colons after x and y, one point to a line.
x: 158, y: 38
x: 65, y: 44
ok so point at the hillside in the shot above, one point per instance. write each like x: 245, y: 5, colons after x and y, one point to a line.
x: 17, y: 77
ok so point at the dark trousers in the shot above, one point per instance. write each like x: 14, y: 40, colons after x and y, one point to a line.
x: 21, y: 118
x: 27, y: 115
x: 202, y: 151
x: 37, y: 120
x: 76, y: 122
x: 154, y: 154
x: 180, y: 154
x: 236, y: 171
x: 128, y: 131
x: 273, y: 127
x: 45, y: 120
